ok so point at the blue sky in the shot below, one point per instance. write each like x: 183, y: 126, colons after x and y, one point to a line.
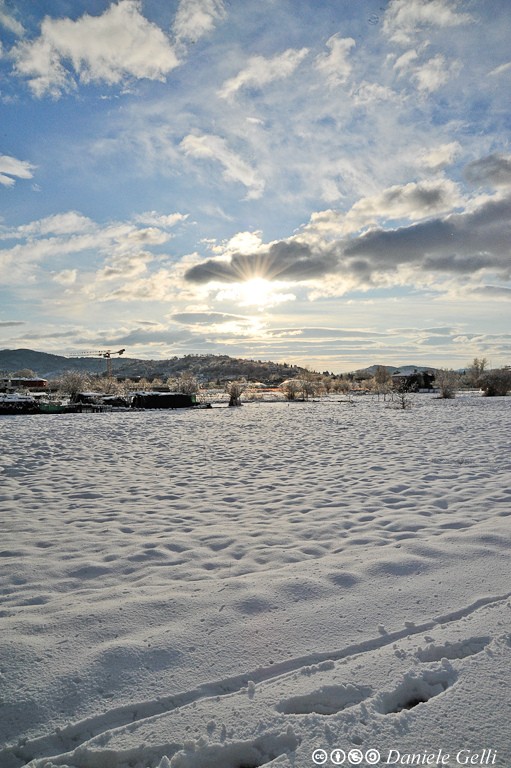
x: 326, y: 183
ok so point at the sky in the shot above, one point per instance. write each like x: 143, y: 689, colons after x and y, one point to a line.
x: 321, y: 182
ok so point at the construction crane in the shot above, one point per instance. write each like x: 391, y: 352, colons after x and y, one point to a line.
x: 108, y: 357
x: 107, y: 354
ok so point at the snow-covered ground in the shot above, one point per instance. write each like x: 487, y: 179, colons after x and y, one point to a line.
x: 233, y: 588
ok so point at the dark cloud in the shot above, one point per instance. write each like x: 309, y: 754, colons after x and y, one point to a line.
x: 435, y: 341
x: 11, y: 323
x: 425, y: 197
x: 494, y: 169
x: 325, y: 333
x: 391, y: 247
x: 493, y: 292
x: 149, y: 336
x: 458, y: 244
x: 284, y: 260
x: 457, y: 264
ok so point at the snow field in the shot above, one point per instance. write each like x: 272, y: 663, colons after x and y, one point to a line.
x: 237, y: 587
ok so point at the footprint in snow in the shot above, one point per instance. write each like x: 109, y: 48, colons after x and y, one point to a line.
x: 241, y: 754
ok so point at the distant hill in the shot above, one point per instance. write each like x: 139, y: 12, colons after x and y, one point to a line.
x: 47, y: 365
x: 206, y: 367
x: 371, y: 369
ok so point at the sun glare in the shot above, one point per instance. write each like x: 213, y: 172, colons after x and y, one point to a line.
x: 256, y: 292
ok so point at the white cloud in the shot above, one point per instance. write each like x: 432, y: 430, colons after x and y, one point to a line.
x: 241, y: 242
x: 434, y: 73
x: 125, y: 266
x: 69, y: 223
x: 335, y: 64
x: 12, y: 167
x: 161, y: 220
x: 261, y: 71
x: 66, y: 276
x: 440, y: 156
x: 405, y: 18
x: 501, y: 69
x: 119, y: 44
x: 41, y: 64
x: 159, y: 286
x: 428, y: 75
x: 9, y: 22
x: 329, y: 190
x: 403, y: 63
x: 367, y: 94
x: 195, y: 18
x: 121, y: 247
x: 235, y: 169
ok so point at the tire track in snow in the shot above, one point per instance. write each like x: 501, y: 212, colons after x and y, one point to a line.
x: 66, y: 740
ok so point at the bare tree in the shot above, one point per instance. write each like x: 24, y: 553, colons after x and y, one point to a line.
x: 110, y: 386
x: 73, y: 382
x: 401, y: 400
x: 382, y: 381
x: 345, y: 387
x: 308, y: 384
x: 327, y: 384
x: 476, y: 371
x: 448, y: 382
x: 187, y: 383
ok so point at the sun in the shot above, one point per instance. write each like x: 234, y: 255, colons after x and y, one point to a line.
x: 256, y: 292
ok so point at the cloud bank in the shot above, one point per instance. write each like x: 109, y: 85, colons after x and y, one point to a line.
x: 467, y: 244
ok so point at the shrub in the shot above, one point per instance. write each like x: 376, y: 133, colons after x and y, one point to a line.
x: 496, y: 383
x: 404, y: 402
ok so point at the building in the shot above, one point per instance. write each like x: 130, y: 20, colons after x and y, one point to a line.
x: 12, y: 384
